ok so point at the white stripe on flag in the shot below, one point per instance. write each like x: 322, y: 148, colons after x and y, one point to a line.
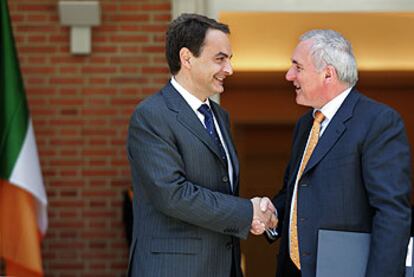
x: 27, y: 175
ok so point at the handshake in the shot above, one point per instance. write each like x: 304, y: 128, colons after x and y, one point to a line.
x: 264, y: 215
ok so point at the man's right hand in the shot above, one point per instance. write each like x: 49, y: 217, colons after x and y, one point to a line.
x: 264, y: 215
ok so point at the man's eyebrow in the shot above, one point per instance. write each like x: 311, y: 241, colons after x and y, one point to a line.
x: 223, y: 54
x: 296, y: 63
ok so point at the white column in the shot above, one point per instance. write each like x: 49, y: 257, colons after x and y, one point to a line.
x: 189, y: 6
x: 217, y: 6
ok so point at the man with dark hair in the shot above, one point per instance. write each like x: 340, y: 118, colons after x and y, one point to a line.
x: 188, y: 218
x: 188, y: 31
x: 350, y: 164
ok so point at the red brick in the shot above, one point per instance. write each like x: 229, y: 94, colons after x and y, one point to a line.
x: 130, y: 8
x: 65, y: 91
x: 99, y: 40
x: 130, y: 38
x: 67, y: 59
x: 66, y: 121
x: 67, y: 183
x: 68, y: 266
x: 37, y: 8
x: 104, y: 49
x: 37, y: 18
x: 36, y: 60
x: 130, y: 69
x: 43, y: 111
x: 130, y: 59
x: 64, y: 141
x: 60, y: 38
x: 38, y: 70
x: 130, y: 28
x: 129, y: 17
x: 157, y: 7
x: 69, y: 69
x: 100, y: 59
x: 127, y: 80
x: 69, y: 163
x: 81, y: 105
x: 157, y: 69
x: 97, y: 203
x: 100, y: 152
x: 68, y: 193
x: 66, y: 80
x: 16, y: 18
x: 66, y: 102
x: 98, y: 81
x: 154, y: 28
x: 162, y: 17
x: 107, y: 28
x: 37, y: 38
x: 99, y: 111
x: 38, y: 49
x: 98, y: 69
x: 69, y: 173
x: 153, y: 49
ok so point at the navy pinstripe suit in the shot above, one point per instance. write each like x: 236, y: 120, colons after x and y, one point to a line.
x: 187, y: 222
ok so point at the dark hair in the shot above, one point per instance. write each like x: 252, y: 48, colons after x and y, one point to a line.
x: 188, y: 30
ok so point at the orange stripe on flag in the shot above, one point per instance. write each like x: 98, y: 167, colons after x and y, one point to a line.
x: 19, y: 234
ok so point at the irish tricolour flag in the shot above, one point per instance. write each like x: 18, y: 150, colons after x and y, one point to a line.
x: 23, y: 214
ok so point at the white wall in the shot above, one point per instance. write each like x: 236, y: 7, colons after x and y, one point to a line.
x: 214, y: 7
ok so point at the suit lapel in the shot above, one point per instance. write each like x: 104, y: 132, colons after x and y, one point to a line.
x: 303, y: 137
x: 334, y: 131
x: 187, y: 117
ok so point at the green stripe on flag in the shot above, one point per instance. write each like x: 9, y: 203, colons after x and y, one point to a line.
x: 14, y: 114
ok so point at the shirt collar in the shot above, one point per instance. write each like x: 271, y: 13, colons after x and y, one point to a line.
x: 330, y: 108
x: 193, y: 101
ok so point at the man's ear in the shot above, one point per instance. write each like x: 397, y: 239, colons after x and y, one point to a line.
x: 185, y: 57
x: 330, y: 74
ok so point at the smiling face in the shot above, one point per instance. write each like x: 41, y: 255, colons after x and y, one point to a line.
x: 307, y: 80
x: 212, y: 66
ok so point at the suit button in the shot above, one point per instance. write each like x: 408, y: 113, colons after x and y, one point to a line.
x: 225, y: 179
x: 229, y: 245
x: 306, y: 254
x: 302, y: 219
x: 303, y: 185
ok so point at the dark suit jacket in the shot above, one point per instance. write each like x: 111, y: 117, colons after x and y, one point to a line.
x: 358, y: 179
x: 187, y: 222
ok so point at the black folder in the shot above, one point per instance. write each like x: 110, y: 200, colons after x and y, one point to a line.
x: 344, y: 254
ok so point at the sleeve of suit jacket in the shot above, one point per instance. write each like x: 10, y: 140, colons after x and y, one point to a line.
x: 153, y: 150
x: 386, y: 172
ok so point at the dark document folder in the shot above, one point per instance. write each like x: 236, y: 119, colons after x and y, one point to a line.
x: 344, y: 254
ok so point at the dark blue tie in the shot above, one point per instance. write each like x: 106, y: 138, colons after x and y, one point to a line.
x: 211, y: 128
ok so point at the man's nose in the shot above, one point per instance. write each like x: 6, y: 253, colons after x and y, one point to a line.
x: 290, y: 74
x: 228, y: 68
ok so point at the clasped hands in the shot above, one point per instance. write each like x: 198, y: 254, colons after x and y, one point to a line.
x: 264, y: 215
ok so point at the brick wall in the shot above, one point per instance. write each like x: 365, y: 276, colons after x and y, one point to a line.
x: 80, y: 107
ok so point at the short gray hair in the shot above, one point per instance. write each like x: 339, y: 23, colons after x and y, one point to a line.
x: 331, y: 48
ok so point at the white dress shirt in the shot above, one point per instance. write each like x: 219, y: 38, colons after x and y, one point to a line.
x: 195, y: 103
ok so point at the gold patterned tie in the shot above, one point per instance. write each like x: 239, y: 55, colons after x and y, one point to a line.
x: 313, y: 140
